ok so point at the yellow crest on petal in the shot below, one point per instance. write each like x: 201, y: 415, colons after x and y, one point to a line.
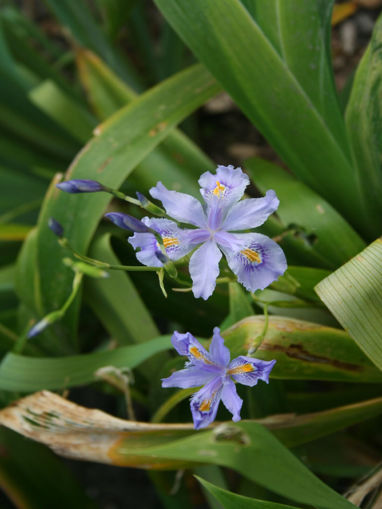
x: 245, y: 368
x: 170, y: 241
x: 251, y: 255
x: 219, y: 189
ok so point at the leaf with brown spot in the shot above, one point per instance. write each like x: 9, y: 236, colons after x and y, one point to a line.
x: 82, y: 433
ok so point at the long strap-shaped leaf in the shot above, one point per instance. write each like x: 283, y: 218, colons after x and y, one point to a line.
x: 25, y: 374
x: 353, y: 293
x: 300, y: 33
x: 116, y: 301
x: 119, y: 145
x: 176, y: 160
x: 303, y: 350
x: 364, y: 124
x: 79, y: 21
x: 247, y: 447
x: 235, y: 501
x: 263, y: 84
x: 336, y: 240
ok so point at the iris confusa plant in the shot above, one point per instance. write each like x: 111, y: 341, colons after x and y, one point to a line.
x: 220, y: 226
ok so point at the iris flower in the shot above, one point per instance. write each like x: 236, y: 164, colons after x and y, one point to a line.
x: 214, y: 370
x: 256, y: 260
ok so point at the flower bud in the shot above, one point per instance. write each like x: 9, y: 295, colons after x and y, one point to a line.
x: 127, y: 222
x: 56, y: 227
x: 80, y: 186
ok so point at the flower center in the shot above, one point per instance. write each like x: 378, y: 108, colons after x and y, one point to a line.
x: 198, y: 355
x: 205, y: 405
x: 251, y: 255
x: 170, y: 241
x: 245, y: 368
x: 219, y: 189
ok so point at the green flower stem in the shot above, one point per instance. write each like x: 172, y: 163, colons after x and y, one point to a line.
x: 148, y: 205
x: 170, y: 403
x: 104, y: 265
x: 52, y: 317
x: 21, y: 341
x: 188, y: 288
x: 260, y: 338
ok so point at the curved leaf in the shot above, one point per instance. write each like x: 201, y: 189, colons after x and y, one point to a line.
x: 336, y: 241
x: 119, y: 145
x: 234, y: 501
x: 267, y: 87
x: 177, y: 160
x: 364, y: 125
x: 27, y: 374
x: 116, y: 301
x: 245, y: 446
x: 353, y: 293
x: 303, y: 350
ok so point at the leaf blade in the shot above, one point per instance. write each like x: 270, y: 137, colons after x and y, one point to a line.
x: 353, y: 294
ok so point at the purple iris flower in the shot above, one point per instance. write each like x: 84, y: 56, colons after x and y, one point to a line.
x: 214, y: 370
x: 256, y: 260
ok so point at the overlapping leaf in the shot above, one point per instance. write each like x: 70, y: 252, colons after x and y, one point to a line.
x: 295, y: 111
x: 334, y: 241
x: 64, y: 426
x: 119, y: 145
x: 354, y: 296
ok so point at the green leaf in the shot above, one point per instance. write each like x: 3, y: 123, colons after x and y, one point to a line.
x: 353, y: 293
x: 105, y: 91
x: 29, y: 475
x: 267, y: 87
x: 80, y: 22
x: 177, y: 161
x: 18, y: 188
x: 300, y: 33
x: 20, y: 117
x: 24, y: 37
x: 7, y: 278
x: 239, y: 305
x: 300, y: 281
x: 301, y: 429
x: 234, y: 501
x: 252, y: 451
x: 303, y: 350
x: 27, y: 374
x: 63, y: 109
x: 336, y: 241
x: 11, y: 232
x: 364, y: 124
x: 17, y: 155
x: 116, y: 301
x: 53, y: 420
x: 115, y: 14
x: 119, y: 145
x: 27, y: 275
x: 246, y: 447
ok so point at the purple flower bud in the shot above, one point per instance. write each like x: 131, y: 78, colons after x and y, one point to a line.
x: 37, y: 328
x: 80, y: 186
x: 127, y: 222
x: 56, y: 227
x: 142, y: 198
x: 161, y: 257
